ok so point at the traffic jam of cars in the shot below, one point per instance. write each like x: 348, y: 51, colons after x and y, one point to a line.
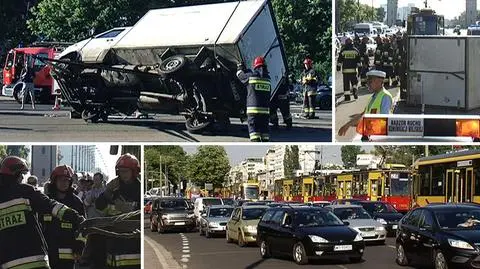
x: 443, y: 235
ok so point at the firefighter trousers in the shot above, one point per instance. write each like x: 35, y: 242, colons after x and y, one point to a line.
x: 284, y: 106
x: 350, y: 81
x: 258, y: 127
x: 363, y: 76
x: 390, y: 76
x: 309, y: 104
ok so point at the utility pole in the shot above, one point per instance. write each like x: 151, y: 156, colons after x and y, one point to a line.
x: 160, y: 176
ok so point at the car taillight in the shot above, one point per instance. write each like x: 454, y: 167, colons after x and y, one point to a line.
x: 372, y: 126
x: 468, y: 128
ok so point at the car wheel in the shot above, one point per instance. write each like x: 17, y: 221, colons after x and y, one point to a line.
x: 439, y: 261
x: 229, y: 240
x: 265, y: 250
x: 160, y: 228
x: 299, y: 254
x: 355, y: 259
x: 207, y: 234
x: 401, y: 256
x: 172, y: 64
x: 153, y: 227
x: 241, y: 239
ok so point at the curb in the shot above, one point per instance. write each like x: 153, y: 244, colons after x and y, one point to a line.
x: 35, y: 113
x: 165, y: 259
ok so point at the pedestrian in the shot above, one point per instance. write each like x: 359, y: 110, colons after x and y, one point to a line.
x: 381, y: 101
x: 281, y: 101
x: 258, y: 99
x: 121, y: 195
x: 22, y: 241
x: 28, y: 88
x: 310, y: 83
x: 92, y: 195
x: 63, y: 247
x: 349, y: 62
x: 32, y: 181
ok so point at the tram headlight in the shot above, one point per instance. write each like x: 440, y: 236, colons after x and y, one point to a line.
x: 382, y: 221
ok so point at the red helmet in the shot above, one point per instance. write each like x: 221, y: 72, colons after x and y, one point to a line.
x: 128, y: 161
x: 13, y: 166
x: 62, y: 170
x: 308, y: 62
x: 259, y: 61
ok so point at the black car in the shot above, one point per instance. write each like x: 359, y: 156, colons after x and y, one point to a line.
x: 170, y: 213
x: 447, y: 235
x: 346, y: 201
x: 305, y: 233
x: 384, y: 213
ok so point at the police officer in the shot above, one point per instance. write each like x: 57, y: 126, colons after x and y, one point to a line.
x: 63, y: 247
x: 281, y: 101
x: 365, y: 60
x: 380, y: 102
x: 258, y: 99
x: 349, y: 62
x: 22, y: 242
x: 310, y: 82
x: 122, y: 195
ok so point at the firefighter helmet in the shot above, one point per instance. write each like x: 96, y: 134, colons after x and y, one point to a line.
x: 259, y: 61
x: 128, y: 161
x: 308, y: 62
x: 13, y: 166
x: 62, y: 170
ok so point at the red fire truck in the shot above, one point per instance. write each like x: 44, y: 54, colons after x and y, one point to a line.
x: 43, y: 81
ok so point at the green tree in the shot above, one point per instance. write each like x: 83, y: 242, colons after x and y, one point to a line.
x: 349, y: 155
x: 290, y: 161
x: 380, y: 14
x: 20, y: 151
x: 173, y: 160
x: 209, y: 164
x: 3, y: 152
x: 351, y: 12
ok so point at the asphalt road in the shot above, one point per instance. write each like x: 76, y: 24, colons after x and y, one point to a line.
x: 190, y: 250
x: 45, y: 125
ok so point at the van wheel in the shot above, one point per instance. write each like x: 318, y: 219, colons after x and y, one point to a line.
x: 299, y: 254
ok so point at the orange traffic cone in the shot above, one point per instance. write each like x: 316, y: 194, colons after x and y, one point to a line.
x: 57, y: 104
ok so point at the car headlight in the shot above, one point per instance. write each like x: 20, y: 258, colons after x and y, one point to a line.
x: 213, y: 224
x: 317, y: 239
x: 358, y: 238
x: 380, y: 228
x: 459, y: 244
x: 382, y: 221
x: 251, y: 229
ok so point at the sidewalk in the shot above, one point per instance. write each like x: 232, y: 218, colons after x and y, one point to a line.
x: 157, y: 257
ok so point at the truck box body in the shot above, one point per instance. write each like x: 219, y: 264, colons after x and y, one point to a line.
x: 443, y: 71
x: 236, y: 31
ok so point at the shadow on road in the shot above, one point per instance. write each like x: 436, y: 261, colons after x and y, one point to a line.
x: 311, y: 262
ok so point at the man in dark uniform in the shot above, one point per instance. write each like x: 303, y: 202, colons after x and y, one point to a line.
x: 378, y: 61
x: 281, y: 101
x: 349, y: 63
x: 387, y: 58
x: 309, y: 82
x: 63, y: 247
x: 365, y: 60
x: 258, y: 99
x: 22, y: 241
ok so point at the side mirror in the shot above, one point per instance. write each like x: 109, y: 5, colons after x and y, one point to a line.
x: 346, y: 223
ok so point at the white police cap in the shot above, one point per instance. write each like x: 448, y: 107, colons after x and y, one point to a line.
x: 376, y: 73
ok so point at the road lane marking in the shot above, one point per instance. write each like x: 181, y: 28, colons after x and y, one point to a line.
x: 186, y: 247
x: 342, y: 266
x: 186, y: 251
x: 184, y: 260
x: 186, y: 256
x: 164, y: 257
x: 223, y: 252
x: 390, y: 246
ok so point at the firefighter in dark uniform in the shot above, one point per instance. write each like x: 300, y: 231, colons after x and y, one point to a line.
x: 365, y: 60
x: 122, y: 195
x: 357, y: 41
x: 281, y: 101
x: 387, y: 58
x: 22, y: 242
x: 378, y: 61
x: 63, y: 247
x: 394, y: 42
x: 309, y: 82
x: 349, y: 62
x: 258, y: 99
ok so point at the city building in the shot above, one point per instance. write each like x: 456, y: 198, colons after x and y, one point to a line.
x: 43, y: 160
x: 471, y: 12
x: 82, y: 158
x: 310, y: 158
x: 391, y: 12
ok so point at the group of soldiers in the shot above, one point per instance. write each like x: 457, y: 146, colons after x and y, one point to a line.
x: 389, y: 56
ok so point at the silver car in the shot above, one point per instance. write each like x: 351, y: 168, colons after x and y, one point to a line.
x: 359, y: 220
x: 214, y: 220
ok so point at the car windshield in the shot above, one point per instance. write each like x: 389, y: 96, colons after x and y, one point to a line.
x: 399, y: 184
x: 459, y: 219
x: 252, y: 213
x: 312, y: 218
x: 379, y: 208
x: 348, y: 213
x: 170, y: 204
x: 220, y: 212
x: 251, y: 192
x: 228, y: 201
x: 209, y: 202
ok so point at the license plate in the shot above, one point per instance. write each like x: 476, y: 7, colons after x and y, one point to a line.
x: 179, y: 223
x: 371, y: 234
x: 342, y: 248
x: 405, y: 127
x: 394, y: 227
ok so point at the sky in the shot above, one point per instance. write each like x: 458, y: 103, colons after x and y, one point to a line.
x: 236, y: 154
x: 448, y: 8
